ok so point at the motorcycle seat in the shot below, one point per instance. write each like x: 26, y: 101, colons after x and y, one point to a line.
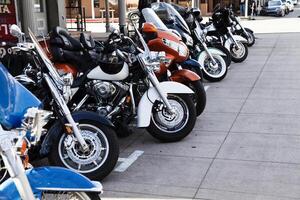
x: 60, y: 37
x: 87, y: 41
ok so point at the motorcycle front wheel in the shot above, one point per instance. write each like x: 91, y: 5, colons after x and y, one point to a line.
x: 212, y: 73
x: 250, y: 38
x: 239, y: 54
x: 168, y: 127
x: 70, y: 196
x: 95, y: 163
x: 226, y: 58
x: 3, y: 171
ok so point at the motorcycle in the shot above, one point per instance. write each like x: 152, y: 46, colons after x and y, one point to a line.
x: 177, y: 55
x: 192, y: 15
x: 82, y: 141
x: 238, y: 29
x: 220, y: 27
x: 122, y: 86
x: 214, y: 66
x: 21, y: 122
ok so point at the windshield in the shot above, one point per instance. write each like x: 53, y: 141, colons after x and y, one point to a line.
x: 150, y: 16
x: 274, y: 3
x: 167, y: 11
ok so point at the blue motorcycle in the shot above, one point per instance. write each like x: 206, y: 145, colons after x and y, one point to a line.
x: 21, y: 122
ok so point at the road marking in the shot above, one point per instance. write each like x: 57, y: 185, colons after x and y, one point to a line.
x: 127, y: 162
x: 206, y: 87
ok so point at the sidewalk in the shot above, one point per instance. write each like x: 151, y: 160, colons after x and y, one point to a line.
x: 244, y: 147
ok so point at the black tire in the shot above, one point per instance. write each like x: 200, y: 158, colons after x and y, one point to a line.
x: 251, y: 42
x: 243, y: 56
x: 185, y: 129
x: 3, y: 171
x: 199, y: 97
x: 104, y: 134
x: 64, y: 195
x: 227, y: 58
x: 209, y: 73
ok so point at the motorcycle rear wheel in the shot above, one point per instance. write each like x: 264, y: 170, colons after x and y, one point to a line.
x: 199, y: 97
x: 182, y: 123
x: 70, y: 196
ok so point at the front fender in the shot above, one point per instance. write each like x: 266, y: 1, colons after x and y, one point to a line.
x: 249, y: 30
x: 203, y: 55
x: 240, y: 38
x: 216, y: 51
x: 184, y: 75
x: 147, y: 100
x: 228, y: 42
x: 77, y: 116
x: 51, y: 179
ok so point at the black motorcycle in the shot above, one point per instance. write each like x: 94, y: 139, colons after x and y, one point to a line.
x: 82, y: 141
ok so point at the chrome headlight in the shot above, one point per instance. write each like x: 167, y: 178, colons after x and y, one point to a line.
x: 179, y: 47
x: 182, y: 50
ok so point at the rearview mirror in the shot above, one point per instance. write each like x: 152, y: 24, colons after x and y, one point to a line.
x: 15, y: 31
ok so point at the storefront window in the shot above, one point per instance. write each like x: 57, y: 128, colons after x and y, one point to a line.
x: 96, y: 4
x: 38, y: 6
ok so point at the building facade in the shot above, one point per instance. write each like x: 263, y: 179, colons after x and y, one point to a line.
x: 38, y: 15
x: 95, y: 9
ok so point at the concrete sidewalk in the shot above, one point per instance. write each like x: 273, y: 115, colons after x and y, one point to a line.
x: 245, y: 146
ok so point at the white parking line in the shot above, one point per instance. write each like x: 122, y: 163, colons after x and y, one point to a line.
x: 206, y: 87
x: 127, y: 162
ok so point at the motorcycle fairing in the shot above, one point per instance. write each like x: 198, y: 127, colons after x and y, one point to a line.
x: 15, y: 99
x: 148, y: 99
x: 50, y: 179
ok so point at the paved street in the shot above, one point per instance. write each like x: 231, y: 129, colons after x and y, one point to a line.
x: 245, y: 146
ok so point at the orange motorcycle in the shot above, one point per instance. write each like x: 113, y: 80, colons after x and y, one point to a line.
x: 177, y: 62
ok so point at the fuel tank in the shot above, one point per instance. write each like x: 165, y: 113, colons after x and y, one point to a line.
x: 15, y: 99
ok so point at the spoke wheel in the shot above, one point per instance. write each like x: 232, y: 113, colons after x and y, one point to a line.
x: 69, y: 196
x: 85, y: 162
x: 173, y: 127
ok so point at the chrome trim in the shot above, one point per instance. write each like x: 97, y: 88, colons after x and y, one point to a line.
x: 53, y: 72
x: 14, y: 165
x: 81, y: 102
x: 62, y: 104
x: 132, y: 99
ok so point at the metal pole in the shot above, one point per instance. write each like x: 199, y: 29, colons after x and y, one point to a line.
x: 122, y: 15
x: 196, y: 4
x: 93, y: 9
x: 107, y: 15
x: 29, y: 20
x: 246, y: 8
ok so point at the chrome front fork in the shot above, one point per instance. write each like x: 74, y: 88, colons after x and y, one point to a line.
x: 14, y: 166
x: 232, y: 39
x: 161, y: 93
x: 61, y: 102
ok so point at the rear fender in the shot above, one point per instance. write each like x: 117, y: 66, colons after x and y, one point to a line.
x: 148, y: 99
x: 51, y: 179
x: 184, y: 75
x: 77, y: 116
